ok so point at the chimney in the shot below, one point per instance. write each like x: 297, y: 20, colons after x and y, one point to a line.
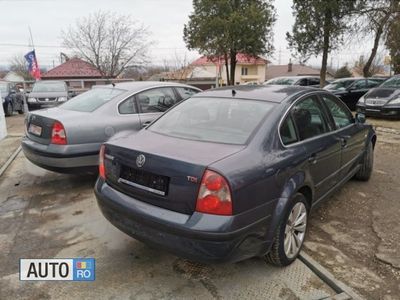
x: 290, y: 66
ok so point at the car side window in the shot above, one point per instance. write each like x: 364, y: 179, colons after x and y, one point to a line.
x: 340, y: 113
x: 156, y: 100
x: 185, y: 92
x: 373, y: 83
x: 309, y: 118
x: 302, y: 82
x: 128, y: 106
x: 288, y: 131
x: 361, y: 84
x: 313, y: 81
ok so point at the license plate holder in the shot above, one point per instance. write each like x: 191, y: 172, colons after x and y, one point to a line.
x: 35, y: 129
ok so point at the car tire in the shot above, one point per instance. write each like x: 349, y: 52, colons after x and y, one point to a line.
x: 9, y: 110
x: 367, y: 164
x: 286, y: 236
x: 21, y: 110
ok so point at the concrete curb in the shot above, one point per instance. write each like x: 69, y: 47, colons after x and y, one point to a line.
x: 9, y: 161
x: 344, y: 291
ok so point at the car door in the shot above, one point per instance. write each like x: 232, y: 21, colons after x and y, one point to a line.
x: 350, y: 135
x: 322, y: 147
x: 355, y: 91
x: 154, y: 102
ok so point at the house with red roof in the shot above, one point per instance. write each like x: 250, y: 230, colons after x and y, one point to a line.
x: 76, y: 72
x: 248, y: 68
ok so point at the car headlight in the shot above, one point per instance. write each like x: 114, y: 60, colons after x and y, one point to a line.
x: 31, y: 99
x: 394, y: 101
x: 62, y: 99
x: 361, y: 100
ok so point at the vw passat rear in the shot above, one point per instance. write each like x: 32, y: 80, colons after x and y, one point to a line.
x: 225, y: 176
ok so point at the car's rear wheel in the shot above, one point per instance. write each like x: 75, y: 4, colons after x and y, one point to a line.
x: 289, y: 237
x: 9, y: 109
x: 365, y: 171
x: 21, y: 110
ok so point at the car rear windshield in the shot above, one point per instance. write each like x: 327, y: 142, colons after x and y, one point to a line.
x: 219, y: 120
x: 339, y: 84
x: 43, y: 87
x: 282, y: 81
x: 392, y: 82
x: 91, y: 100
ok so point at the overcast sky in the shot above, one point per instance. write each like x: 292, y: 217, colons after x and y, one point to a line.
x: 164, y: 18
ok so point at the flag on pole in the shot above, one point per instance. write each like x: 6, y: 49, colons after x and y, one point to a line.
x: 33, y: 66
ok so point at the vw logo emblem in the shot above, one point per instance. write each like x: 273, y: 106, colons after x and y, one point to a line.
x: 140, y: 160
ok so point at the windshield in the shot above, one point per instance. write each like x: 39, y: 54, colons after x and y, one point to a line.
x: 392, y: 82
x: 282, y: 81
x: 339, y: 84
x: 92, y: 99
x: 3, y: 88
x: 219, y: 120
x: 43, y: 87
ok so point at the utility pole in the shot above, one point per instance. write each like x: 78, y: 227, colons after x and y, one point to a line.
x: 280, y: 55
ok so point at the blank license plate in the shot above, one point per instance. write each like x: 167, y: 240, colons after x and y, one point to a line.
x: 34, y: 129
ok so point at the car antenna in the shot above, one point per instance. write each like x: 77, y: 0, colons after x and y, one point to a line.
x: 233, y: 93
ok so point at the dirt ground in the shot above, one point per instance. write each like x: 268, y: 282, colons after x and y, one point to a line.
x: 356, y: 233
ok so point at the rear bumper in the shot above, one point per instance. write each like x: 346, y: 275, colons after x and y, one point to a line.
x: 43, y: 157
x: 198, y: 237
x: 380, y: 111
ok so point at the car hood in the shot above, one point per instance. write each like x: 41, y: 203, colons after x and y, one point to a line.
x: 48, y: 94
x: 383, y: 93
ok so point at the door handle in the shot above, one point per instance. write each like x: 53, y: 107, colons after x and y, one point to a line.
x: 145, y: 124
x: 343, y: 140
x: 313, y: 159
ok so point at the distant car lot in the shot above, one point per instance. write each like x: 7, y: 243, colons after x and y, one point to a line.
x: 351, y: 89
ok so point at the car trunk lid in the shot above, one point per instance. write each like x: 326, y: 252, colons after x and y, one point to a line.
x: 39, y: 123
x: 160, y: 170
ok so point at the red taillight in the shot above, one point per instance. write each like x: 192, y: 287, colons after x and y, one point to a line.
x: 102, y: 169
x: 58, y: 135
x: 214, y: 195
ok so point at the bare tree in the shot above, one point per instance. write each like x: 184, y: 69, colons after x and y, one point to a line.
x: 18, y: 65
x: 374, y: 19
x: 108, y: 41
x: 375, y: 67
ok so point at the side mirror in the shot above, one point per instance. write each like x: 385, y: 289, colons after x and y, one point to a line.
x: 360, y: 118
x: 71, y: 94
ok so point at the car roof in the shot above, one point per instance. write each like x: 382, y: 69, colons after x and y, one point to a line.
x: 295, y: 77
x: 137, y: 85
x: 271, y: 93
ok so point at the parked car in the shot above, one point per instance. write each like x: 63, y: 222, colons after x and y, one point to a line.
x: 295, y: 80
x: 12, y: 99
x: 382, y: 101
x: 67, y: 138
x: 48, y: 93
x: 349, y: 90
x: 233, y: 173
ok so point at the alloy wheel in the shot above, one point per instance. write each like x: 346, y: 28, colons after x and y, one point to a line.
x: 295, y: 230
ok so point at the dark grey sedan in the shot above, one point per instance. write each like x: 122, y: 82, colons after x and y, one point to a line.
x: 67, y: 138
x: 233, y: 173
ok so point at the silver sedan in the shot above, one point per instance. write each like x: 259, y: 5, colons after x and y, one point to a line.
x: 67, y: 138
